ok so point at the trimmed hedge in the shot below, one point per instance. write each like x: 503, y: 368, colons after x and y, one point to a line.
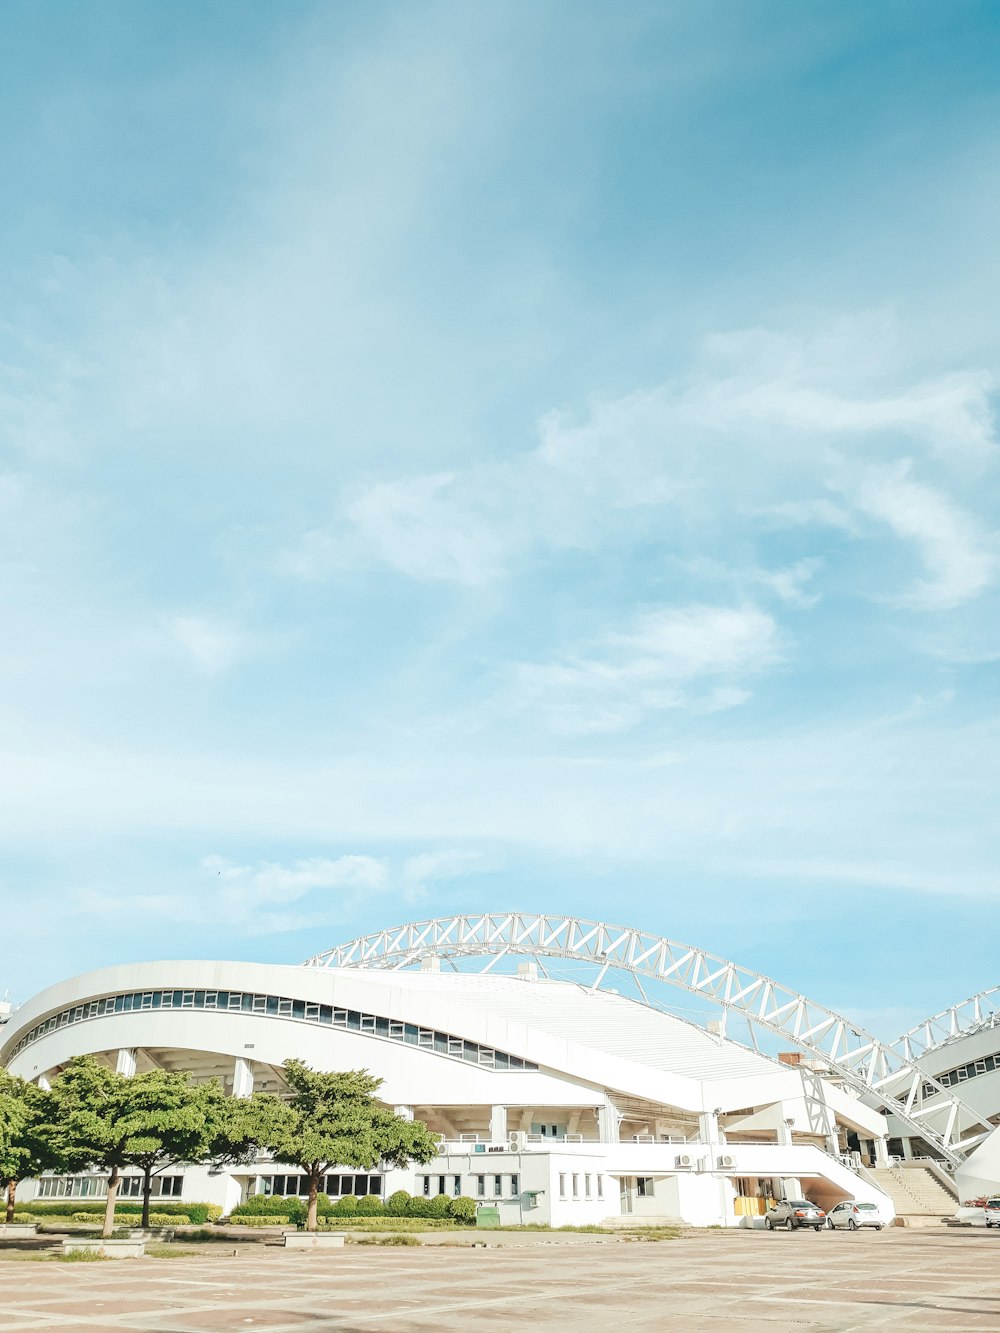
x: 261, y: 1220
x: 155, y: 1219
x: 396, y: 1204
x: 387, y: 1223
x: 370, y: 1205
x: 196, y: 1212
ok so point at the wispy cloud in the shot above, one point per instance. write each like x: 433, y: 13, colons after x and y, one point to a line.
x: 665, y: 659
x: 212, y: 645
x: 270, y: 898
x: 767, y: 430
x: 959, y: 557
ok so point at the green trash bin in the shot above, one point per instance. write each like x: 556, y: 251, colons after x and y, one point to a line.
x: 487, y: 1216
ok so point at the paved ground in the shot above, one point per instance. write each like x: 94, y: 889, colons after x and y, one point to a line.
x: 708, y: 1282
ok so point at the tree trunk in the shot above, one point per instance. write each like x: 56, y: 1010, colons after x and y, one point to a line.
x: 11, y: 1191
x: 313, y: 1199
x: 109, y: 1212
x: 147, y: 1189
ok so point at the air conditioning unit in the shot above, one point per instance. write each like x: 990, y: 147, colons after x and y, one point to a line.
x: 685, y: 1161
x: 727, y: 1162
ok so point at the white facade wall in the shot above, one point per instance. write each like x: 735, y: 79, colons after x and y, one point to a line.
x: 558, y: 1181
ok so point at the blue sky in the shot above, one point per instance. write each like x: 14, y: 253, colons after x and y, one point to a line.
x: 468, y: 456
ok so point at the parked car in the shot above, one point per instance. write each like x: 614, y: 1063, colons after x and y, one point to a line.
x: 855, y: 1213
x: 794, y: 1213
x: 992, y: 1210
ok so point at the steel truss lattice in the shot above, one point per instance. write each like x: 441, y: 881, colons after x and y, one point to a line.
x: 957, y: 1021
x: 877, y: 1071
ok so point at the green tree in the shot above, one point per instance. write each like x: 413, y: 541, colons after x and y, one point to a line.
x: 24, y: 1152
x: 239, y: 1128
x: 103, y: 1119
x: 335, y: 1120
x: 166, y: 1119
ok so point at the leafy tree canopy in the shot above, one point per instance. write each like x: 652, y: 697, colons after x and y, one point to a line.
x: 334, y: 1120
x: 24, y: 1152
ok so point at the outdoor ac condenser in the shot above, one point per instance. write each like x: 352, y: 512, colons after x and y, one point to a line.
x: 685, y: 1161
x: 726, y: 1162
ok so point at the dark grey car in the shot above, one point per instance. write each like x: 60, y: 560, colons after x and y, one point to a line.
x: 793, y: 1214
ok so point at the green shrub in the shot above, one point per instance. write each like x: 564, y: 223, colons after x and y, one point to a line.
x: 291, y: 1208
x: 388, y: 1240
x: 261, y: 1220
x: 197, y: 1212
x: 440, y: 1205
x: 388, y: 1223
x: 396, y: 1204
x: 345, y: 1207
x: 23, y: 1217
x: 462, y: 1209
x: 155, y: 1219
x: 370, y: 1205
x: 420, y: 1208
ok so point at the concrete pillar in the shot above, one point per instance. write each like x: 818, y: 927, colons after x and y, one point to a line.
x: 498, y: 1124
x: 608, y: 1122
x: 907, y: 1145
x: 708, y: 1127
x: 126, y: 1062
x: 404, y: 1112
x: 785, y: 1133
x: 833, y: 1145
x: 242, y: 1077
x: 881, y: 1151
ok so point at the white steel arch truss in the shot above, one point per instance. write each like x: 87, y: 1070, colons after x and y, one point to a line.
x: 957, y: 1021
x: 877, y: 1071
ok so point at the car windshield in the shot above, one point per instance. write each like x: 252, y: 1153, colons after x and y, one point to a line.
x: 993, y: 1203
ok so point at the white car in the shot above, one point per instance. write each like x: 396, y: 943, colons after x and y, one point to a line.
x: 992, y: 1211
x: 854, y: 1214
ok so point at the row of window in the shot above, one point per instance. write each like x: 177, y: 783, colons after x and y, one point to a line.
x: 480, y: 1186
x: 573, y: 1179
x: 281, y: 1006
x: 985, y: 1065
x: 93, y: 1187
x: 334, y: 1186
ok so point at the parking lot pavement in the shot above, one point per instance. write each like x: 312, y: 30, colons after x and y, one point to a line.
x: 723, y: 1282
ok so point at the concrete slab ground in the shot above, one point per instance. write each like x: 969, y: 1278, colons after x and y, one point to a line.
x: 703, y: 1282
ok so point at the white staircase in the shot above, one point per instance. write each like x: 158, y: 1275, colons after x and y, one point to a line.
x: 920, y: 1198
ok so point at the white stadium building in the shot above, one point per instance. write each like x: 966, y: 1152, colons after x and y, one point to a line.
x: 576, y: 1072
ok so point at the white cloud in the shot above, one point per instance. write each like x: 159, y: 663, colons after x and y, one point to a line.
x: 960, y: 559
x: 757, y: 434
x: 660, y: 662
x: 212, y: 645
x: 273, y: 897
x: 421, y: 872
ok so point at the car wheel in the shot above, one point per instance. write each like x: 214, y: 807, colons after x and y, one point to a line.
x: 818, y: 1229
x: 878, y: 1226
x: 789, y: 1224
x: 829, y: 1224
x: 851, y: 1224
x: 769, y: 1224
